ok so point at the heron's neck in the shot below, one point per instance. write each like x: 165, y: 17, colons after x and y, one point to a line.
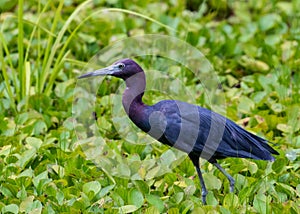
x: 132, y: 96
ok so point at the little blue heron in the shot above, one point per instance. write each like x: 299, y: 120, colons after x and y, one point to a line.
x: 195, y: 130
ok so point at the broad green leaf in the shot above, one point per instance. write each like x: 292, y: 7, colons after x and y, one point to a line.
x: 173, y: 211
x: 60, y: 197
x: 34, y: 142
x: 105, y: 190
x: 279, y: 165
x: 198, y: 210
x: 230, y: 200
x: 268, y: 21
x: 26, y: 173
x: 253, y: 64
x: 152, y: 172
x: 136, y: 198
x: 284, y: 127
x: 11, y: 208
x: 286, y: 7
x: 259, y: 96
x: 167, y: 157
x: 123, y: 170
x: 128, y: 209
x: 26, y: 157
x: 142, y: 186
x: 38, y: 178
x: 251, y: 166
x: 155, y: 201
x: 286, y: 188
x: 152, y: 210
x: 178, y: 197
x: 211, y: 181
x: 93, y: 186
x: 22, y: 194
x: 59, y: 170
x: 5, y: 191
x: 26, y: 204
x: 245, y: 105
x: 7, y: 5
x: 223, y: 210
x: 39, y: 127
x: 211, y: 199
x: 5, y: 150
x: 277, y: 107
x: 170, y: 178
x: 261, y: 203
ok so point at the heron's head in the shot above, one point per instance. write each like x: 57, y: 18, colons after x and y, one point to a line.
x: 123, y: 68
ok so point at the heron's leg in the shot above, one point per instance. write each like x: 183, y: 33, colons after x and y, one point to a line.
x: 228, y: 176
x: 195, y: 161
x: 203, y: 187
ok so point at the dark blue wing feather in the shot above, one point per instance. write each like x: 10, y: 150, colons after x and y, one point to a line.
x: 216, y: 136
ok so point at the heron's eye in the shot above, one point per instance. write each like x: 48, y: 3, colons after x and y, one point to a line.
x: 121, y: 66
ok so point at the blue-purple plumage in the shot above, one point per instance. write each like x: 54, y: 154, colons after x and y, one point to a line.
x: 190, y: 128
x: 234, y: 141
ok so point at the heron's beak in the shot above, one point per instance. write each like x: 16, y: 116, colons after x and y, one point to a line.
x: 101, y: 72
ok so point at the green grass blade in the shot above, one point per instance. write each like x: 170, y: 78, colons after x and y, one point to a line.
x: 27, y: 83
x: 49, y: 52
x: 21, y: 50
x: 55, y: 71
x: 139, y: 15
x: 5, y: 76
x: 57, y: 45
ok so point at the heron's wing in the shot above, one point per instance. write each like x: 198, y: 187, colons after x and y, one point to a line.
x: 181, y: 125
x: 238, y: 142
x: 194, y: 129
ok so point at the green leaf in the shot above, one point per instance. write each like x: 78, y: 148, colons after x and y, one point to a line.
x: 277, y: 107
x: 152, y: 210
x: 167, y: 157
x: 123, y: 170
x: 142, y: 186
x: 26, y: 173
x: 60, y: 197
x: 93, y: 186
x: 39, y: 127
x: 6, y: 5
x: 11, y: 208
x: 198, y: 210
x: 261, y: 203
x: 128, y: 209
x: 284, y: 128
x: 6, y: 192
x: 251, y: 166
x: 211, y: 181
x: 286, y: 188
x: 268, y: 21
x: 136, y: 198
x: 230, y: 201
x: 34, y: 142
x: 211, y: 199
x: 178, y: 197
x: 279, y: 165
x: 152, y: 172
x: 173, y: 211
x: 155, y: 201
x: 22, y: 194
x: 245, y: 105
x: 105, y: 190
x: 26, y: 157
x: 26, y: 204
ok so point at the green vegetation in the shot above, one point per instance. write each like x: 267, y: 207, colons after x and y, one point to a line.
x: 44, y: 45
